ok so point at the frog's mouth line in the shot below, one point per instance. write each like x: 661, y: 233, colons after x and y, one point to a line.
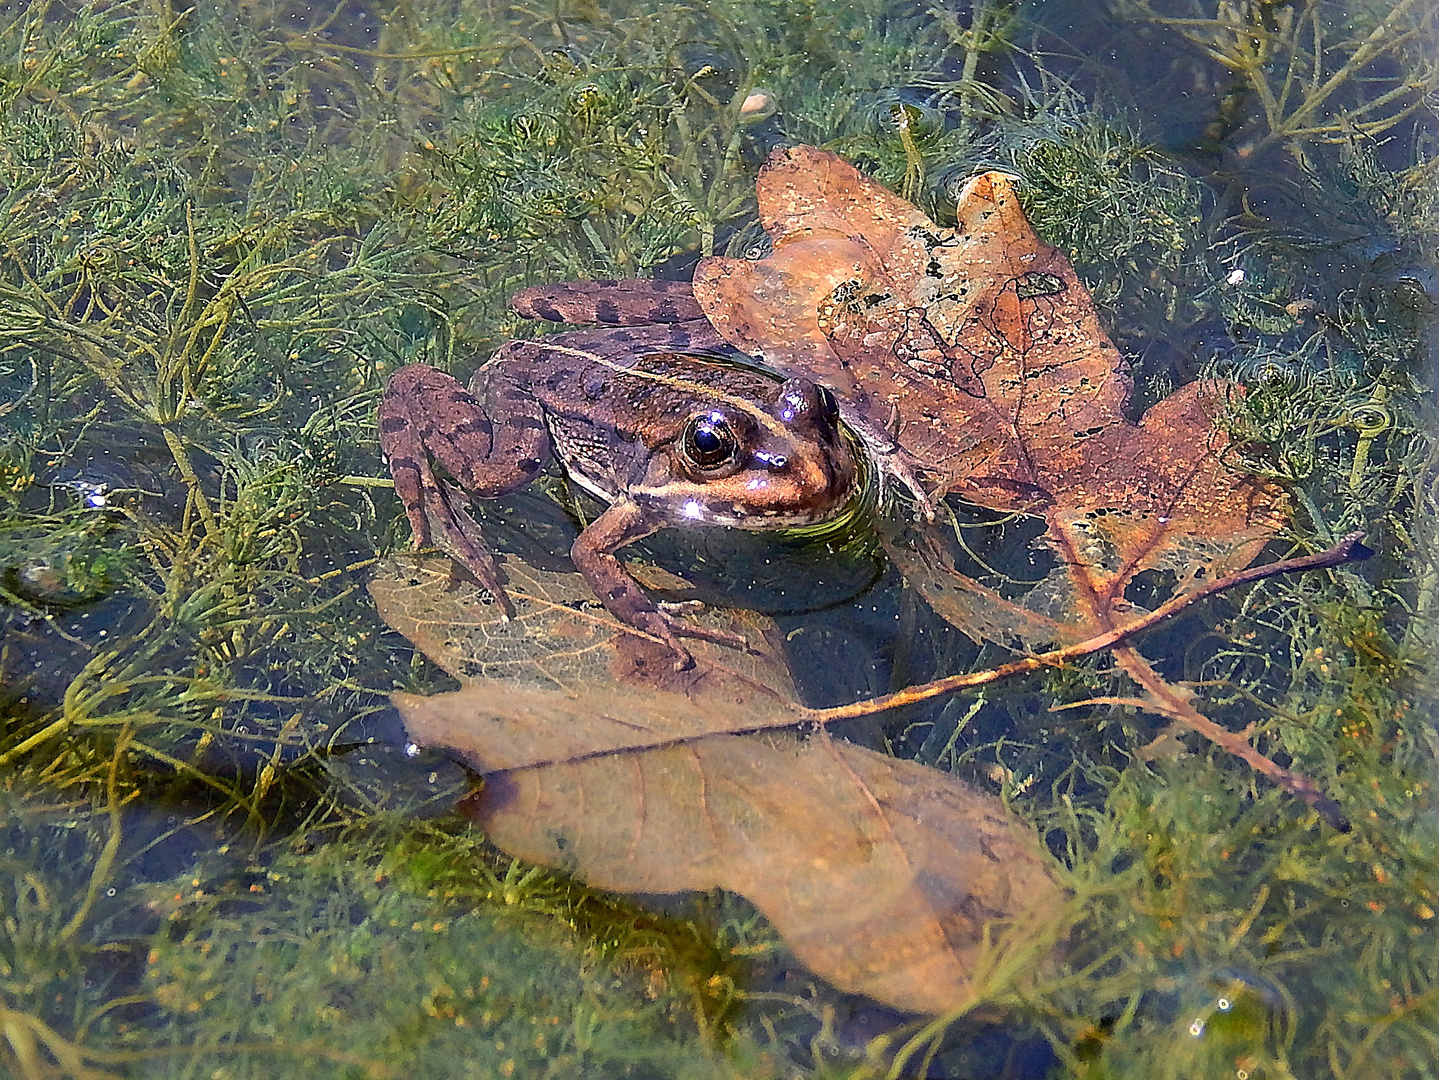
x: 863, y: 500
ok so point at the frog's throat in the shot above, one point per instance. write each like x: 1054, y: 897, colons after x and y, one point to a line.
x: 864, y: 498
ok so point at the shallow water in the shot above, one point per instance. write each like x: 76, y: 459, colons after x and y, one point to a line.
x: 225, y: 854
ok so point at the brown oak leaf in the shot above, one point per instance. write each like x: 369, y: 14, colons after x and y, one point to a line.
x: 885, y: 877
x: 972, y: 362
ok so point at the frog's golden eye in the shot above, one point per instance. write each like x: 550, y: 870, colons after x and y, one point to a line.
x: 709, y: 442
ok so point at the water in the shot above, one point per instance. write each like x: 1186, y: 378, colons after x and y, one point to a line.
x: 224, y: 854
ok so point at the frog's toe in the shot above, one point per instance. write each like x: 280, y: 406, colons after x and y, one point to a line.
x: 661, y: 628
x: 689, y: 628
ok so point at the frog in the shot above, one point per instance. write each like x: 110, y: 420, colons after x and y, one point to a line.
x: 663, y: 422
x: 637, y: 304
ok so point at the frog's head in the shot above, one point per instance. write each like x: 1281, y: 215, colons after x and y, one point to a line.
x: 757, y: 464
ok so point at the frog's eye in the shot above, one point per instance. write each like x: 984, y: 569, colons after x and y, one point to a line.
x: 709, y: 442
x: 828, y: 406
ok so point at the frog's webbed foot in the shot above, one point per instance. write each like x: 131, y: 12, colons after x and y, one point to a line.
x: 900, y: 466
x: 893, y: 461
x: 674, y: 612
x: 669, y: 628
x: 435, y: 510
x: 460, y: 537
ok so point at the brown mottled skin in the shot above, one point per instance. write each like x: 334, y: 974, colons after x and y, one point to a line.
x: 651, y: 419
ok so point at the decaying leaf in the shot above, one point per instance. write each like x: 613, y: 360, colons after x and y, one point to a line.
x: 880, y: 874
x: 973, y: 358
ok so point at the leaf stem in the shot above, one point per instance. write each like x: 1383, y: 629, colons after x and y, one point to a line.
x: 1164, y: 700
x: 1350, y: 549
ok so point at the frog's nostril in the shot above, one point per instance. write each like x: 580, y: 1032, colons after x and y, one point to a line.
x: 773, y: 461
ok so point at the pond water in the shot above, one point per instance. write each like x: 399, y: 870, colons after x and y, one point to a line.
x: 280, y: 797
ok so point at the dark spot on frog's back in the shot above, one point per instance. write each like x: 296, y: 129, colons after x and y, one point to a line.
x: 471, y: 425
x: 680, y: 337
x: 391, y: 424
x: 640, y: 392
x: 595, y: 387
x: 607, y: 312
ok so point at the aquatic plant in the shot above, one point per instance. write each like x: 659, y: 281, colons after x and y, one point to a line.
x: 222, y: 228
x: 1306, y: 73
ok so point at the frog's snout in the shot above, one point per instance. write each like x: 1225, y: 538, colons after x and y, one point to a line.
x: 773, y: 462
x: 803, y: 404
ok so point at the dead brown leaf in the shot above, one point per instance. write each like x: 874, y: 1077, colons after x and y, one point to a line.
x: 881, y: 875
x: 974, y: 356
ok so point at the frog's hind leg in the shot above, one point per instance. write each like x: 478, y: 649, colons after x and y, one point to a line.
x: 620, y: 349
x: 622, y: 302
x: 461, y: 539
x: 425, y: 413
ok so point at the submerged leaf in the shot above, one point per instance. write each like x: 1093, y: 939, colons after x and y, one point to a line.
x: 881, y: 875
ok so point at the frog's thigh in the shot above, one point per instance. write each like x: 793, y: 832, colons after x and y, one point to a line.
x: 625, y: 302
x: 516, y: 439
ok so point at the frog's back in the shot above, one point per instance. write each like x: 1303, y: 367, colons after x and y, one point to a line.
x: 640, y: 386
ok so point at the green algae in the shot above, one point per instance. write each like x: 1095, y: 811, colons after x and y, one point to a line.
x: 266, y: 975
x: 220, y: 229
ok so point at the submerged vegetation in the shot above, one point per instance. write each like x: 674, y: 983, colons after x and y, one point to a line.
x: 222, y: 227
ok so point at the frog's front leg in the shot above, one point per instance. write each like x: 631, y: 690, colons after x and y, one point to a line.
x: 426, y: 415
x: 593, y: 555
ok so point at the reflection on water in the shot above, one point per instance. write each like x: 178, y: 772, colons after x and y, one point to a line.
x: 224, y: 228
